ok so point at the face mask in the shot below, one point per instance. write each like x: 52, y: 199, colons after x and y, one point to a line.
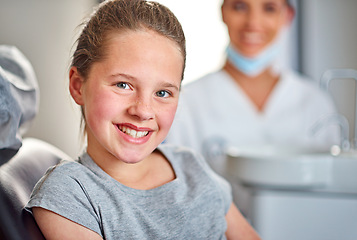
x: 256, y: 65
x: 270, y: 57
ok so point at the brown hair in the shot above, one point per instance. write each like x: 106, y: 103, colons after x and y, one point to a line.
x: 119, y: 15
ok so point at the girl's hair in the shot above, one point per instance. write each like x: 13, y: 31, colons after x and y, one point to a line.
x: 120, y: 15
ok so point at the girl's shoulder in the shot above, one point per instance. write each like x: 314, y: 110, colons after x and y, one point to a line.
x: 67, y: 173
x: 194, y: 172
x: 188, y: 162
x: 65, y: 168
x: 178, y: 155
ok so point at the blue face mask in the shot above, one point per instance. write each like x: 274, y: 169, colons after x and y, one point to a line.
x: 256, y: 65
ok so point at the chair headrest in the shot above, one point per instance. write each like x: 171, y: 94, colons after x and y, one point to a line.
x: 19, y: 99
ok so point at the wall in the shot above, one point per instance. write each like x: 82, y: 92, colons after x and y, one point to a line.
x: 329, y: 37
x: 205, y: 33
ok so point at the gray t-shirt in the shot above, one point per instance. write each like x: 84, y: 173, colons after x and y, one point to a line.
x: 193, y: 206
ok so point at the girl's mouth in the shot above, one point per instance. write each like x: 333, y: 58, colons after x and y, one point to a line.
x: 133, y: 133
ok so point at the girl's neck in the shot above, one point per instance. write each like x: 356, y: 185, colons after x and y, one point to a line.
x: 152, y: 172
x: 257, y: 88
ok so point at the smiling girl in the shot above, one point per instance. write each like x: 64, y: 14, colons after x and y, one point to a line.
x: 126, y: 75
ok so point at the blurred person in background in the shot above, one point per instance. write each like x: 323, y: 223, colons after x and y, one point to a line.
x: 253, y: 101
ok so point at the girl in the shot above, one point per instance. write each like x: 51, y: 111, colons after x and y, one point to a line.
x: 126, y: 75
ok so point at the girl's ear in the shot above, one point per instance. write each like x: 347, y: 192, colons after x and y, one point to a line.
x: 76, y: 82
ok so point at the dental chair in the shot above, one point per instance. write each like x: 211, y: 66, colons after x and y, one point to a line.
x: 22, y: 161
x: 18, y: 176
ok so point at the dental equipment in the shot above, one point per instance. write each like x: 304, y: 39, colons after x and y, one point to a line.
x: 332, y: 74
x: 340, y: 120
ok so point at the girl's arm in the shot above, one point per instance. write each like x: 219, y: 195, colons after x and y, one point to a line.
x: 54, y: 226
x: 238, y: 227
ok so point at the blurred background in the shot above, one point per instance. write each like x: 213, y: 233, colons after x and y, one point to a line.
x: 324, y: 37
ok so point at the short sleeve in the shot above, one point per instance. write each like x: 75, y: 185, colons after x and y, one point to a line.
x: 62, y: 192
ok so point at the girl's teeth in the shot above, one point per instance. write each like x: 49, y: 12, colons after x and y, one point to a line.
x: 133, y: 133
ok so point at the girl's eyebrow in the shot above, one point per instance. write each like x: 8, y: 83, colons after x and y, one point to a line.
x: 122, y: 75
x: 170, y: 85
x: 127, y: 76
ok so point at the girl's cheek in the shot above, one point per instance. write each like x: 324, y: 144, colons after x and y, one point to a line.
x: 170, y: 115
x: 102, y: 107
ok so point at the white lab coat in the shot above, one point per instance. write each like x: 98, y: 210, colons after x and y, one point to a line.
x: 214, y: 107
x: 214, y: 112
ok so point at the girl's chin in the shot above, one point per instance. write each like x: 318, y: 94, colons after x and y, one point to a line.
x: 134, y: 156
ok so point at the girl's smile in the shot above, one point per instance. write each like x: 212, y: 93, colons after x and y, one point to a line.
x: 133, y: 131
x: 133, y: 134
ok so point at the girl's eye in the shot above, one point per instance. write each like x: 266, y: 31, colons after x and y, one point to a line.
x: 123, y: 85
x: 163, y: 94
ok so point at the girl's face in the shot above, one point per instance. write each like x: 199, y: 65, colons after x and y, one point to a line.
x: 130, y: 97
x: 254, y: 24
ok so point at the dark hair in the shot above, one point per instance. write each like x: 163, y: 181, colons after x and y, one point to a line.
x: 119, y: 15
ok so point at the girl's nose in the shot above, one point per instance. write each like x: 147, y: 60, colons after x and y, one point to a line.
x: 142, y: 109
